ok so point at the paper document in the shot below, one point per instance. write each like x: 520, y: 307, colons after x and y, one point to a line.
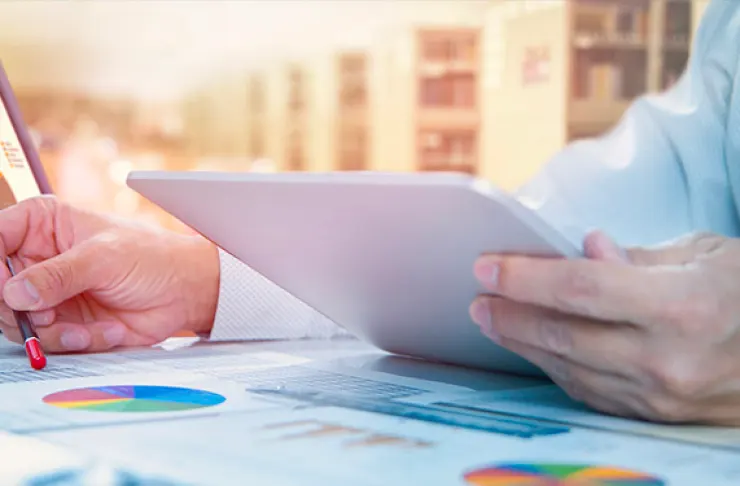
x: 325, y: 445
x: 257, y: 414
x: 550, y: 403
x: 31, y: 462
x: 53, y: 399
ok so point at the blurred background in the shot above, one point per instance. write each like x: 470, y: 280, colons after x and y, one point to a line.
x: 487, y: 87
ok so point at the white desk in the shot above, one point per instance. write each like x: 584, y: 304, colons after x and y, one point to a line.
x: 356, y: 431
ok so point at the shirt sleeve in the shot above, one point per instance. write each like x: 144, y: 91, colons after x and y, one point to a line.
x: 662, y: 172
x: 250, y: 307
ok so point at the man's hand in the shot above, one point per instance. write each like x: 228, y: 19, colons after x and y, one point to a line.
x: 651, y: 334
x: 92, y: 282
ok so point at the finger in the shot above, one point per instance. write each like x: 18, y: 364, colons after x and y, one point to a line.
x: 598, y: 246
x: 17, y: 221
x: 11, y: 333
x: 6, y: 315
x: 38, y: 318
x: 600, y: 290
x: 602, y: 346
x: 603, y: 391
x: 679, y: 252
x: 42, y: 318
x: 53, y: 281
x: 66, y: 337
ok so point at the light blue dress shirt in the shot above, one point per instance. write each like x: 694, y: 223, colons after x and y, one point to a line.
x: 670, y: 167
x: 672, y: 164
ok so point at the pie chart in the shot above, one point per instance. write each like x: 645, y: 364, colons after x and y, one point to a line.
x: 558, y: 475
x: 134, y: 399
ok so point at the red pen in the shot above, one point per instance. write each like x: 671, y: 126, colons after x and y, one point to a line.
x: 30, y: 339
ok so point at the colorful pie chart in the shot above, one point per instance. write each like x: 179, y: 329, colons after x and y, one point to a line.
x: 558, y: 475
x: 134, y: 398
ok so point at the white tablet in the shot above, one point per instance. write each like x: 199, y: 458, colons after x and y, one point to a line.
x: 387, y: 256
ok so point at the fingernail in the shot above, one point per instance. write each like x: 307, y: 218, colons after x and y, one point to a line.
x: 481, y: 314
x: 75, y: 340
x: 114, y: 335
x: 602, y: 246
x: 20, y: 294
x: 491, y: 334
x: 618, y: 252
x: 487, y: 273
x: 42, y: 319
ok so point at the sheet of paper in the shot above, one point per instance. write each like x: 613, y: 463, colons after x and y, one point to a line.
x: 339, y: 446
x: 550, y: 403
x: 15, y: 369
x: 62, y: 395
x: 30, y: 461
x: 258, y: 414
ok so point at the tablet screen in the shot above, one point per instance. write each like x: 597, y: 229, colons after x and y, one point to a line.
x: 17, y: 181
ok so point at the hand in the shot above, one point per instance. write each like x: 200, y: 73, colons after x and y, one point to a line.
x: 651, y: 334
x: 93, y: 282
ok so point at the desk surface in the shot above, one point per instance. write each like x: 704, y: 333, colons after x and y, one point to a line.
x: 337, y: 412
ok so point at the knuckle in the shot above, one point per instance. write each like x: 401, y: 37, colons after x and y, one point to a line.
x: 571, y: 388
x: 6, y: 317
x: 11, y: 334
x: 667, y: 409
x: 707, y: 242
x: 678, y: 379
x: 555, y: 336
x: 695, y: 314
x: 501, y: 276
x: 559, y: 370
x: 578, y: 284
x: 114, y: 246
x: 495, y: 317
x: 55, y: 277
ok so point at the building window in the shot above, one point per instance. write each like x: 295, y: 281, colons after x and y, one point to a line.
x: 352, y: 79
x: 452, y: 90
x: 295, y: 156
x: 446, y: 47
x: 296, y: 88
x: 353, y: 94
x: 257, y: 94
x: 353, y: 148
x: 257, y: 142
x: 453, y: 151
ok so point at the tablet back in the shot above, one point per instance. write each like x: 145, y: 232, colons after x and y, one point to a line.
x: 389, y: 257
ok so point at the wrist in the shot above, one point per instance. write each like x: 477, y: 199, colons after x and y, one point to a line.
x: 203, y: 274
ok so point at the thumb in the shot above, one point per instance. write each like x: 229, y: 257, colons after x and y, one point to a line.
x: 599, y: 246
x: 680, y: 251
x: 47, y: 284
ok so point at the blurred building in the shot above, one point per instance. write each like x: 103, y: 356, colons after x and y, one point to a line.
x: 348, y: 129
x: 486, y: 87
x: 217, y: 119
x: 563, y: 70
x: 425, y: 96
x: 325, y: 113
x: 280, y: 113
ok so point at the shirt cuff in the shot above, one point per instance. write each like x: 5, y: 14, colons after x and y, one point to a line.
x: 251, y: 307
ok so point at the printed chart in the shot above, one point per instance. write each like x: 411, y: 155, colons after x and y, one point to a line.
x: 558, y: 475
x: 352, y: 437
x: 12, y: 154
x: 134, y: 398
